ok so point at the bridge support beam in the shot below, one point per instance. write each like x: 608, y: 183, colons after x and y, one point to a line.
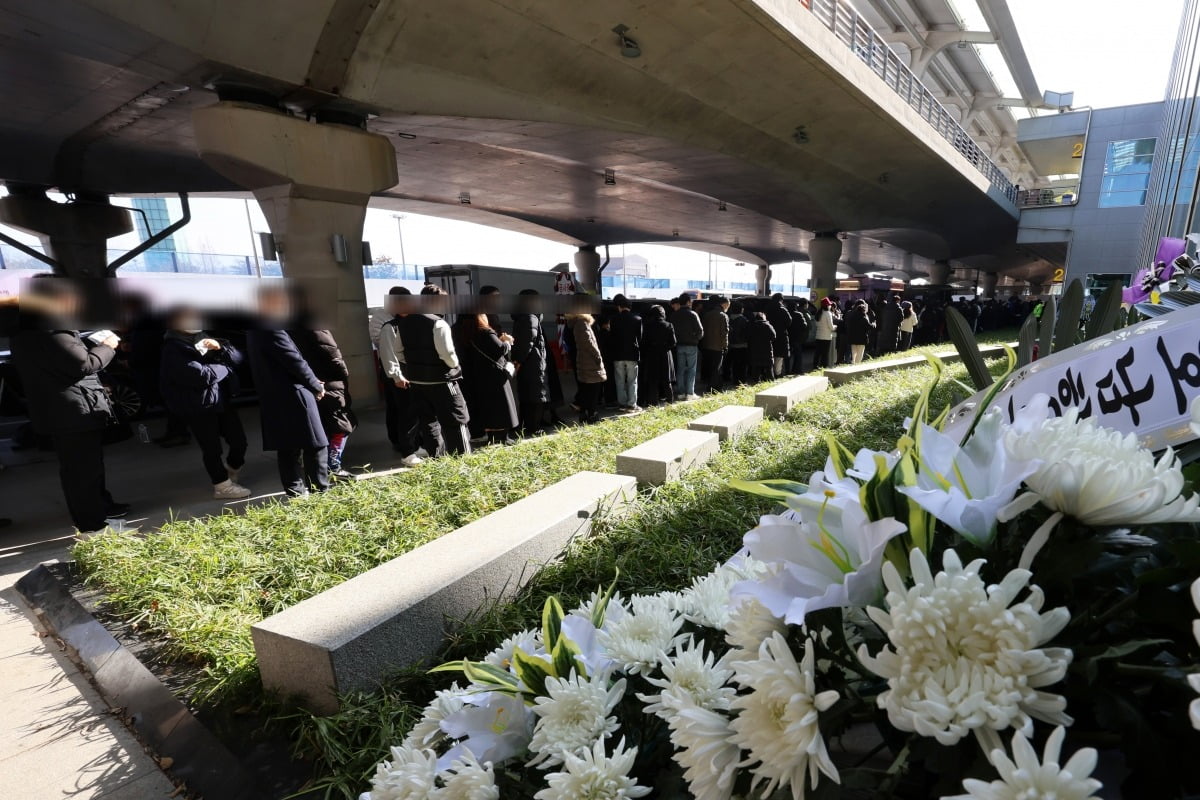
x: 312, y: 182
x: 587, y: 269
x: 988, y: 282
x: 939, y: 273
x: 824, y: 251
x: 74, y: 234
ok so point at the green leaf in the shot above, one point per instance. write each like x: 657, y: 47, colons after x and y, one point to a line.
x: 1046, y: 328
x: 565, y: 657
x: 775, y: 489
x: 482, y: 672
x: 1067, y: 331
x: 1025, y: 339
x: 968, y: 348
x: 986, y: 400
x: 1107, y: 312
x: 601, y: 607
x: 1119, y: 651
x: 839, y: 455
x: 531, y: 670
x: 552, y: 617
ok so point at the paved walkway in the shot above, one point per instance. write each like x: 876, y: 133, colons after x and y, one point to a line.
x: 58, y: 738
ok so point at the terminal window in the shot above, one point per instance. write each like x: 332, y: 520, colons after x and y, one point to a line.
x: 1126, y: 173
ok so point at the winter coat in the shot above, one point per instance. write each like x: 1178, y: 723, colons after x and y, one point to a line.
x: 889, y: 328
x: 781, y: 321
x: 799, y: 330
x: 657, y: 370
x: 625, y: 337
x: 688, y: 328
x: 908, y: 323
x: 589, y: 366
x: 858, y: 328
x: 191, y: 383
x: 762, y: 337
x: 739, y: 327
x: 287, y: 392
x: 493, y: 405
x: 716, y: 331
x: 324, y: 357
x: 529, y: 354
x: 59, y: 373
x: 826, y: 325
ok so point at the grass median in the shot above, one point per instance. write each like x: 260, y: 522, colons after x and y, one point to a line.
x: 670, y: 535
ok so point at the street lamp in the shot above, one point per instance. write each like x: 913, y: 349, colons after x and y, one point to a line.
x: 400, y: 230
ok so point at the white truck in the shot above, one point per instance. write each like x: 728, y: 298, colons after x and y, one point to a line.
x: 468, y: 279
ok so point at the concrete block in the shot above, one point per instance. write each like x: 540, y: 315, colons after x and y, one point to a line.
x: 398, y: 614
x: 783, y: 397
x: 665, y: 458
x: 729, y: 422
x: 840, y: 375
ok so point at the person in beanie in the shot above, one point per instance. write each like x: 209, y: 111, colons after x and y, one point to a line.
x: 858, y: 329
x: 781, y: 321
x: 688, y: 333
x: 826, y: 324
x: 529, y: 356
x: 739, y: 344
x: 625, y: 341
x: 197, y: 383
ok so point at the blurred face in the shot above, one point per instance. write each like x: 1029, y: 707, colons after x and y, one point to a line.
x: 275, y: 305
x: 187, y: 321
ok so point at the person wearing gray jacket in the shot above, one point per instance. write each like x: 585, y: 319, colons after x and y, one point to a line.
x: 688, y: 333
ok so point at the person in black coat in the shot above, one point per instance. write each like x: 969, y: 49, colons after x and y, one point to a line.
x: 529, y: 356
x: 196, y: 382
x: 656, y: 378
x: 781, y: 322
x: 858, y: 329
x: 324, y: 357
x: 761, y: 336
x: 889, y: 325
x: 625, y: 352
x: 739, y: 344
x: 59, y: 372
x: 798, y: 338
x: 288, y: 394
x: 484, y: 354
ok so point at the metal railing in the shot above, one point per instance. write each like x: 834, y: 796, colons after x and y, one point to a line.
x: 857, y: 34
x: 1047, y: 198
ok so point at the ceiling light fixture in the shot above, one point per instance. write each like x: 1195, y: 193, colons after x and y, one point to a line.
x: 629, y: 47
x: 464, y: 198
x: 610, y: 177
x: 721, y: 205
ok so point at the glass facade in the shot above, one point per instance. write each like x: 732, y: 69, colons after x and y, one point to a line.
x: 1127, y: 168
x: 1172, y: 194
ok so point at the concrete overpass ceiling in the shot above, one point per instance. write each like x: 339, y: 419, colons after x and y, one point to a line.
x: 523, y: 116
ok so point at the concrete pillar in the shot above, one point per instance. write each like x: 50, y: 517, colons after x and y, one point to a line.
x: 851, y: 254
x: 939, y: 273
x: 74, y: 234
x: 907, y: 265
x: 587, y: 269
x: 987, y: 282
x: 312, y: 182
x: 762, y: 280
x: 824, y: 251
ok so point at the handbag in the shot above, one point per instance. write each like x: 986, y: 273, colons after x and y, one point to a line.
x: 507, y: 367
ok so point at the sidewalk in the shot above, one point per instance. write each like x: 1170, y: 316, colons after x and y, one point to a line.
x: 59, y: 739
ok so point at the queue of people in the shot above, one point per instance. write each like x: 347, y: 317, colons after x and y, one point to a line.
x: 446, y: 387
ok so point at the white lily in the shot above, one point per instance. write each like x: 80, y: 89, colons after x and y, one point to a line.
x: 825, y: 553
x: 492, y: 727
x: 1194, y: 680
x: 966, y: 487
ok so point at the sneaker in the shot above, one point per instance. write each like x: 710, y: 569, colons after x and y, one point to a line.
x: 341, y: 474
x: 421, y: 453
x: 633, y: 409
x: 233, y: 472
x: 228, y: 490
x: 413, y: 460
x: 692, y: 397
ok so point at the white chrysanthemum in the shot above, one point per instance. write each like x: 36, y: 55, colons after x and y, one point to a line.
x: 690, y: 677
x: 529, y: 641
x: 1023, y: 777
x: 707, y: 601
x: 574, y: 714
x: 591, y: 775
x: 750, y: 624
x: 1095, y: 474
x: 704, y: 747
x: 410, y: 775
x: 616, y: 604
x: 638, y: 640
x: 961, y: 658
x: 428, y: 732
x: 1194, y: 680
x: 468, y: 780
x: 778, y: 716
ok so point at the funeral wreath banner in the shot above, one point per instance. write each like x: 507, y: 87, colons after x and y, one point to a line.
x: 1141, y: 380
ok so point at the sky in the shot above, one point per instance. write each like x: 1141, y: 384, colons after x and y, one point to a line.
x: 1109, y: 52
